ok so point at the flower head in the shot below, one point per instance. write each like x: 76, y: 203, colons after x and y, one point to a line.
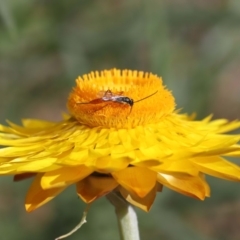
x: 123, y: 135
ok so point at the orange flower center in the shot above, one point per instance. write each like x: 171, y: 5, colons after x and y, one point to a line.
x: 120, y: 99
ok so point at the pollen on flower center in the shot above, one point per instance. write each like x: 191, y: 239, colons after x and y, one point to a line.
x: 120, y: 99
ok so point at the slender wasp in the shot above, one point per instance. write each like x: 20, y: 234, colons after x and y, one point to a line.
x: 109, y: 96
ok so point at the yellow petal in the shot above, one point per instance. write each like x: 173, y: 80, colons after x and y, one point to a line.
x: 227, y: 126
x: 37, y: 196
x: 94, y: 187
x: 218, y: 167
x: 136, y: 180
x: 125, y: 138
x: 38, y: 165
x: 144, y: 203
x: 7, y: 140
x: 99, y: 152
x: 146, y: 163
x: 64, y: 176
x: 180, y: 167
x: 35, y: 123
x: 113, y: 138
x: 119, y: 151
x: 20, y: 151
x: 233, y: 154
x: 7, y: 169
x: 25, y: 164
x: 78, y: 156
x: 107, y: 164
x: 187, y: 185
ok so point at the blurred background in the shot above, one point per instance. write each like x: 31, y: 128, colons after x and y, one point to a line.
x: 193, y: 44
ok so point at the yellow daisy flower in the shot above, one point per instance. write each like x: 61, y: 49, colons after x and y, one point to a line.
x: 123, y: 134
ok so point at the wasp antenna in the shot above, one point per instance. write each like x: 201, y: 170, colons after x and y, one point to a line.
x: 146, y: 97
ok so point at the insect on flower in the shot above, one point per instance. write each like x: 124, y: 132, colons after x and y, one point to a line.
x: 109, y: 96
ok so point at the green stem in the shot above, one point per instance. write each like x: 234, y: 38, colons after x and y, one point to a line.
x: 126, y: 215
